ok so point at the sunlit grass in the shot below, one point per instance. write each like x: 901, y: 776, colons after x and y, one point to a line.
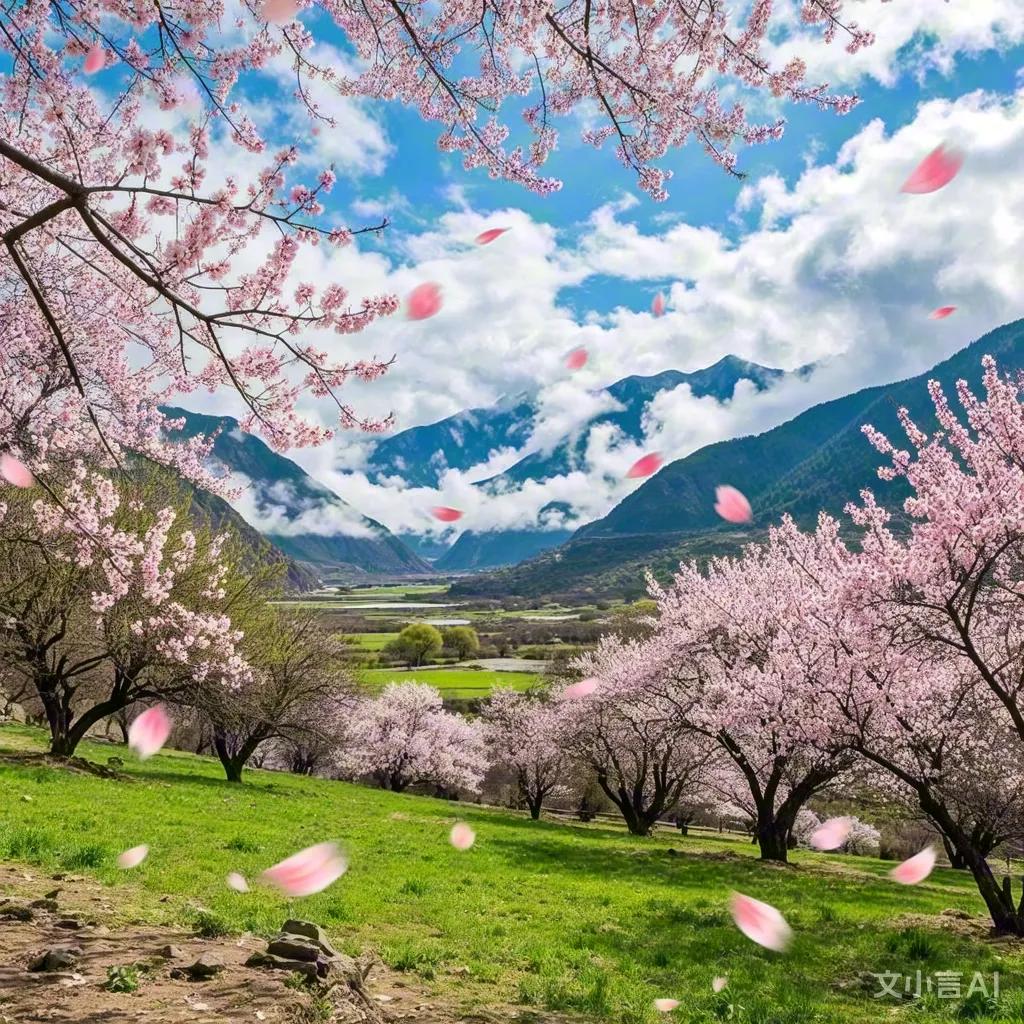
x: 566, y: 917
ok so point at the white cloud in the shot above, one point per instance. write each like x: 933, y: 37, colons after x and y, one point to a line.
x: 841, y: 268
x: 911, y: 36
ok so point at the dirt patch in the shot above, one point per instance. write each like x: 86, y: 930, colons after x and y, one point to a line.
x: 72, y: 764
x: 40, y: 913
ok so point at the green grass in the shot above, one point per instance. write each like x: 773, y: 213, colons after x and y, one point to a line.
x: 371, y: 641
x: 581, y: 919
x: 452, y: 682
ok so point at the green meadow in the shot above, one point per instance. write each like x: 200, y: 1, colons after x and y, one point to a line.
x: 574, y: 918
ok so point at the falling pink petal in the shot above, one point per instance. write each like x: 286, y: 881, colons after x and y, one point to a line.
x: 942, y: 312
x: 133, y: 858
x: 237, y: 882
x: 308, y: 871
x: 665, y: 1005
x: 446, y: 514
x: 732, y: 505
x: 718, y: 984
x: 645, y: 466
x: 462, y: 837
x: 488, y: 236
x: 760, y: 922
x: 576, y: 359
x: 149, y: 732
x: 831, y: 834
x: 937, y: 169
x: 279, y: 12
x: 423, y: 301
x: 584, y: 688
x: 658, y: 304
x: 915, y: 869
x: 94, y: 59
x: 15, y: 472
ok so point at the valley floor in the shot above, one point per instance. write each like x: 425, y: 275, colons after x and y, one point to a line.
x: 550, y: 918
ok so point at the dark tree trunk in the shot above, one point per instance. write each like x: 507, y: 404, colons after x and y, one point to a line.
x: 535, y: 804
x: 957, y: 861
x: 234, y: 760
x: 773, y: 839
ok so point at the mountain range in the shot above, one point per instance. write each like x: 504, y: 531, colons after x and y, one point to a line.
x: 817, y: 460
x: 301, y: 517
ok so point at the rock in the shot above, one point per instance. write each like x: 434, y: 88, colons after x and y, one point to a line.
x: 15, y: 910
x: 294, y: 948
x: 68, y: 924
x: 205, y: 967
x: 44, y: 904
x: 53, y: 893
x: 310, y: 931
x: 59, y: 958
x: 170, y: 953
x: 280, y: 963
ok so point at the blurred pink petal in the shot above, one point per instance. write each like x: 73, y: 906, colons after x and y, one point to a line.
x: 831, y: 834
x: 658, y: 304
x: 94, y: 59
x: 308, y: 871
x: 718, y: 984
x: 576, y: 359
x: 915, y: 869
x: 423, y: 301
x: 134, y: 857
x: 937, y: 169
x: 488, y: 236
x: 15, y: 472
x: 645, y: 466
x: 446, y: 514
x: 462, y: 837
x: 584, y: 688
x: 732, y: 506
x: 665, y: 1005
x: 942, y: 312
x: 237, y: 882
x: 149, y: 732
x: 279, y: 12
x: 760, y: 922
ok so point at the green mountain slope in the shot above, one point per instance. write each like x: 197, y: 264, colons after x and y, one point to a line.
x: 818, y: 460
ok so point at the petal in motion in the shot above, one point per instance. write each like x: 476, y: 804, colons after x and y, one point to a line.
x: 665, y: 1005
x: 462, y: 837
x: 915, y: 869
x: 149, y: 732
x: 423, y: 301
x: 584, y: 688
x: 488, y: 236
x: 15, y: 472
x: 718, y: 984
x: 732, y: 505
x: 645, y: 466
x: 446, y: 514
x: 134, y: 857
x: 760, y: 922
x: 237, y: 882
x: 94, y: 59
x: 279, y: 12
x: 658, y: 304
x: 308, y: 871
x: 576, y: 359
x: 937, y: 169
x: 942, y: 312
x: 831, y: 834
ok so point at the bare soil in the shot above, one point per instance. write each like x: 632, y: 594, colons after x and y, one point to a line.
x: 236, y: 994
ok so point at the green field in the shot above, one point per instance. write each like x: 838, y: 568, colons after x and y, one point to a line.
x: 371, y: 641
x: 452, y: 682
x: 571, y: 918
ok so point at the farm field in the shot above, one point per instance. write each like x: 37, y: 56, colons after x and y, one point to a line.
x: 452, y: 682
x: 561, y: 918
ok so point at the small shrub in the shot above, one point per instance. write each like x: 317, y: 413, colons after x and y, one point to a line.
x: 122, y: 979
x: 977, y: 1004
x: 296, y: 980
x: 210, y: 925
x: 90, y: 855
x: 242, y: 844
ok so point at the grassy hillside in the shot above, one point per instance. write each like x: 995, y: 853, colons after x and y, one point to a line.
x: 559, y: 917
x: 452, y: 682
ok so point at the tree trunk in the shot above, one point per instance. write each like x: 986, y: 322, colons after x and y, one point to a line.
x: 956, y: 859
x: 772, y: 838
x: 535, y: 805
x: 233, y: 761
